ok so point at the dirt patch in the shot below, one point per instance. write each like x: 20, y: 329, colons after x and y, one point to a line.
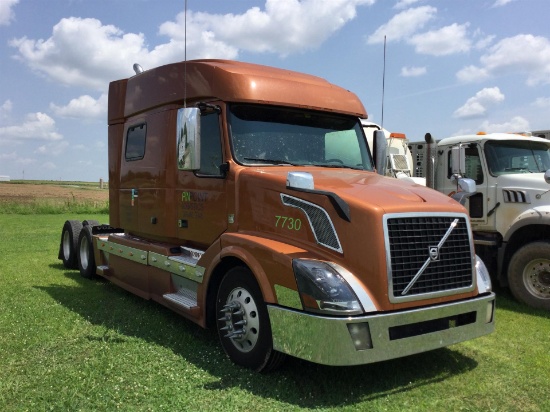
x: 29, y: 193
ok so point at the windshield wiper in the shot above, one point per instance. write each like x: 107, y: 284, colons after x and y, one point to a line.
x: 270, y: 161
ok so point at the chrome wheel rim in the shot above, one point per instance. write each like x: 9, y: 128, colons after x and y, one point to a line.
x: 241, y: 320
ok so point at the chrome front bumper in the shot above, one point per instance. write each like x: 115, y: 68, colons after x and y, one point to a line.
x: 382, y: 336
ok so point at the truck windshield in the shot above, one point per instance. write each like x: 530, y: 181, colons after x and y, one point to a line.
x: 517, y: 156
x: 269, y: 135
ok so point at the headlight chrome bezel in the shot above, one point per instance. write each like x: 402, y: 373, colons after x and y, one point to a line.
x: 484, y: 284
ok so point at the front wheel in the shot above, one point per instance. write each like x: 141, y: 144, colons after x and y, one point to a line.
x: 529, y: 275
x: 243, y: 322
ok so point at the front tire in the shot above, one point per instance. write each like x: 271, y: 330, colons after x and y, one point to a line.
x: 69, y: 243
x: 529, y: 275
x: 86, y: 258
x: 243, y: 324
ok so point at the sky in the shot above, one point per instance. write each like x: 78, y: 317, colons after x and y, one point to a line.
x: 451, y: 67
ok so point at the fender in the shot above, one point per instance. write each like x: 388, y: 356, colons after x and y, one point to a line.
x: 539, y: 215
x: 267, y: 258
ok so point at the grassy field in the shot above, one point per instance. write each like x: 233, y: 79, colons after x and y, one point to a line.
x: 69, y: 344
x: 48, y: 197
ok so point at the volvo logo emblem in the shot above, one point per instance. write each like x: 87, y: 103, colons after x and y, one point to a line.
x: 434, y: 253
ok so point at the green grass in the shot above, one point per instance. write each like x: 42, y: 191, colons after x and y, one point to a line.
x: 69, y: 344
x: 51, y: 207
x: 80, y: 184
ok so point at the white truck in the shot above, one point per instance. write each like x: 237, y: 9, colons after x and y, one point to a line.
x: 399, y: 162
x: 510, y: 212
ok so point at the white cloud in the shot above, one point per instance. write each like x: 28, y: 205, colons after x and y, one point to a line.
x: 522, y: 54
x: 482, y: 40
x: 404, y: 4
x: 477, y: 106
x: 37, y: 126
x: 6, y: 106
x: 84, y: 52
x: 516, y: 124
x: 445, y: 41
x: 403, y: 24
x: 53, y: 148
x: 5, y: 109
x: 542, y: 102
x: 499, y: 3
x: 25, y: 161
x: 471, y: 74
x: 6, y: 11
x: 413, y: 71
x: 83, y: 107
x: 49, y: 166
x: 284, y: 27
x: 8, y: 156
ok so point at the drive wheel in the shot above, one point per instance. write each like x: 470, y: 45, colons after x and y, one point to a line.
x: 86, y: 259
x: 243, y: 324
x: 529, y: 275
x: 69, y: 243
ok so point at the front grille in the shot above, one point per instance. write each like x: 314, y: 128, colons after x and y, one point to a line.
x: 411, y: 239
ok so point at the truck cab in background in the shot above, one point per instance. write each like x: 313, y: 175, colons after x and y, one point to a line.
x: 399, y: 161
x: 510, y: 212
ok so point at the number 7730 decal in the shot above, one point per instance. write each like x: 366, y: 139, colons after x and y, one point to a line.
x: 289, y: 223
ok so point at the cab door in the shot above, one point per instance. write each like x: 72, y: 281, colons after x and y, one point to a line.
x: 201, y: 195
x: 477, y: 203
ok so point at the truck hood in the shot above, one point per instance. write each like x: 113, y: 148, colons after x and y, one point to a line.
x: 359, y: 189
x: 268, y: 209
x: 524, y: 181
x: 357, y: 240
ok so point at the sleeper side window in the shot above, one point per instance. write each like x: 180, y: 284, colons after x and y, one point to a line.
x: 135, y: 142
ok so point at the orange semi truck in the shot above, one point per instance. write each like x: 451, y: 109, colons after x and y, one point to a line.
x: 245, y: 198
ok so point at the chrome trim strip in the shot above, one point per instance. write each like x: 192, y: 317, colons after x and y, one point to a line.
x: 126, y: 252
x: 298, y: 333
x: 184, y: 266
x: 176, y: 265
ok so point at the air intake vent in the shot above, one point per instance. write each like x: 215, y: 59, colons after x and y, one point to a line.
x: 319, y: 220
x: 515, y: 196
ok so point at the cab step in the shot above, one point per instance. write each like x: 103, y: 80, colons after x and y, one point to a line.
x: 184, y: 297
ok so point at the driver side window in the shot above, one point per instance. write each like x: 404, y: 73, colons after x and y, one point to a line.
x: 211, y: 149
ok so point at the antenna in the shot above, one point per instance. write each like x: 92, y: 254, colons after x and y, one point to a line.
x: 185, y: 57
x: 383, y: 83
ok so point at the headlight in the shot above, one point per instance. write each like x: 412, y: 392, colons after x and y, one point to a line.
x: 322, y: 289
x: 483, y: 279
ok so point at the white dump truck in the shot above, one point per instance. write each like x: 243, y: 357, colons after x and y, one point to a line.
x: 510, y: 212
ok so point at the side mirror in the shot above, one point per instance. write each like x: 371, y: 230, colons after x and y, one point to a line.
x: 379, y: 151
x: 458, y: 160
x: 547, y: 176
x: 188, y: 138
x: 467, y: 187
